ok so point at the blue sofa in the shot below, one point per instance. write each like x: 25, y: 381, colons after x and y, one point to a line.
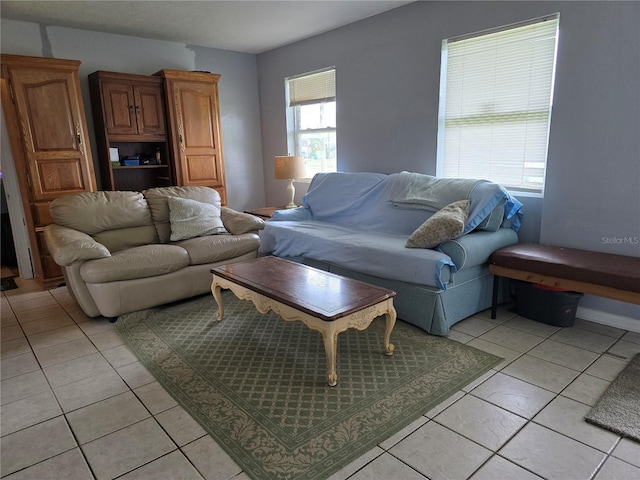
x: 358, y: 224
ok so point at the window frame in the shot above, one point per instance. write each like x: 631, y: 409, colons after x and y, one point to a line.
x: 293, y: 115
x: 444, y: 79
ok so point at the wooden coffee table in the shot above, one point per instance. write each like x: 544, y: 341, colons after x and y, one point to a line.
x: 321, y: 300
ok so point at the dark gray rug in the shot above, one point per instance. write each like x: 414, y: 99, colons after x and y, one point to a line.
x: 8, y: 284
x: 618, y: 409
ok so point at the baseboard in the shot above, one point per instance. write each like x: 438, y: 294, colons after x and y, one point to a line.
x: 619, y: 321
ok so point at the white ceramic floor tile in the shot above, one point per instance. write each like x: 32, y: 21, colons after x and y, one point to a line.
x: 89, y: 390
x: 70, y: 465
x: 629, y: 451
x: 512, y: 338
x: 172, y: 466
x: 514, y: 395
x: 580, y: 338
x: 507, y: 354
x: 12, y: 332
x: 624, y: 349
x: 28, y: 411
x: 552, y: 455
x: 387, y: 466
x: 531, y: 326
x: 55, y: 337
x: 155, y: 398
x: 598, y: 328
x: 353, y: 467
x: 65, y: 351
x: 566, y: 416
x: 119, y: 356
x: 135, y: 374
x: 459, y: 336
x: 210, y: 459
x: 14, y: 347
x: 439, y: 453
x: 106, y: 416
x: 16, y: 388
x: 563, y: 354
x: 541, y: 373
x: 124, y: 450
x: 18, y: 365
x: 442, y: 405
x: 180, y: 426
x: 49, y: 321
x: 76, y: 369
x: 497, y: 468
x: 405, y: 432
x: 631, y: 337
x: 35, y: 444
x: 586, y: 389
x: 106, y: 340
x: 474, y: 326
x: 614, y: 469
x: 480, y: 421
x: 606, y: 368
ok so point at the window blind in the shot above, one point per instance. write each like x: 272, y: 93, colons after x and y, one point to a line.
x: 312, y: 88
x: 497, y: 94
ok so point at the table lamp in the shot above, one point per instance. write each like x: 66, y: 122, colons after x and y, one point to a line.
x: 289, y: 168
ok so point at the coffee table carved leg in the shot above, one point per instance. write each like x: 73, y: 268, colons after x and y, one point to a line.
x: 215, y: 290
x: 330, y: 340
x: 390, y: 319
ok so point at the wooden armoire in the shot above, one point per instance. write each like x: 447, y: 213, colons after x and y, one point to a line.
x: 47, y: 130
x: 193, y: 118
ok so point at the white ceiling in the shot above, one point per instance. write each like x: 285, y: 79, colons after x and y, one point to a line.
x: 239, y: 25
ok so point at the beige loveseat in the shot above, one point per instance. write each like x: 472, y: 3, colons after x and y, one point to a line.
x: 116, y: 252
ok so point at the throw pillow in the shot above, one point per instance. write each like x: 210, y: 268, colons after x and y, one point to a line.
x: 445, y: 224
x: 190, y: 218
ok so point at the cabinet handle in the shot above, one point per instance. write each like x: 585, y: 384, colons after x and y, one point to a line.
x: 79, y: 137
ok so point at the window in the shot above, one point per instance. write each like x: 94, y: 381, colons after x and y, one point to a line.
x: 496, y: 91
x: 311, y: 119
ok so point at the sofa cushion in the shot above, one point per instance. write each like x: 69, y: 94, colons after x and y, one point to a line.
x: 190, y: 218
x: 157, y: 200
x: 446, y: 224
x: 215, y: 248
x: 137, y: 262
x: 118, y: 220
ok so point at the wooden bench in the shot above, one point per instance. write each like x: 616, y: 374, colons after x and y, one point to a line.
x: 595, y: 273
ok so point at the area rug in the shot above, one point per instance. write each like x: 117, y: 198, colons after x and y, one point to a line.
x: 8, y: 284
x: 257, y: 384
x: 618, y: 409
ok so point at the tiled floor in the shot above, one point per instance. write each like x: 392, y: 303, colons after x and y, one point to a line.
x: 76, y: 404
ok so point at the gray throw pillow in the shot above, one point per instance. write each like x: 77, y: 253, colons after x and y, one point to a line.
x: 190, y: 218
x: 445, y: 224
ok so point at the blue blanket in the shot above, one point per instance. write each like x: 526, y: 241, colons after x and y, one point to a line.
x: 348, y: 219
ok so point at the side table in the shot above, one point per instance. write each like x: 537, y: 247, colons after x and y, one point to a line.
x: 264, y: 213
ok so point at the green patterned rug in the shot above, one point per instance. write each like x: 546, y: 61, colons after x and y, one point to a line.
x: 257, y: 384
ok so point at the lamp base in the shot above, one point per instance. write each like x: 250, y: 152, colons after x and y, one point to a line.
x: 291, y: 190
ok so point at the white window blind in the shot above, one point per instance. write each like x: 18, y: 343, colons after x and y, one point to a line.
x: 311, y: 119
x: 495, y: 104
x: 313, y: 88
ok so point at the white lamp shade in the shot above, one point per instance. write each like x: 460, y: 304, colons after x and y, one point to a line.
x: 290, y: 167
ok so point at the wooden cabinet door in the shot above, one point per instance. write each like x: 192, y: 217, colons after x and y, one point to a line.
x: 194, y: 120
x: 47, y: 131
x: 119, y: 109
x: 54, y: 132
x: 149, y: 109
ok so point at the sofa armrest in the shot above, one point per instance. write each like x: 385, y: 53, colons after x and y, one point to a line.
x: 238, y: 223
x: 67, y: 245
x: 476, y: 247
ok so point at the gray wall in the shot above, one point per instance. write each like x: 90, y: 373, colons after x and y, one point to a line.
x: 239, y: 105
x: 387, y: 74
